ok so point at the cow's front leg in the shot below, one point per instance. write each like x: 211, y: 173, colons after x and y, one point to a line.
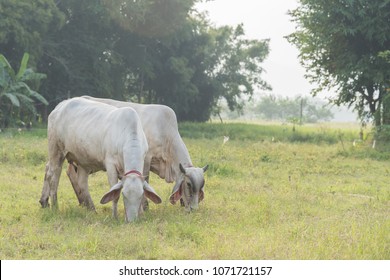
x: 146, y: 172
x: 73, y: 178
x: 112, y: 175
x: 84, y: 195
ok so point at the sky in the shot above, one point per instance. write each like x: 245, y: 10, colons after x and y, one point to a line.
x: 267, y: 19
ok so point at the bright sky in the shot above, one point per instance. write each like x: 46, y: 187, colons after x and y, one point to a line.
x: 266, y: 19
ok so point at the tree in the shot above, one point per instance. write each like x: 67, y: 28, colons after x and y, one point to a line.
x: 149, y: 18
x: 199, y: 64
x: 17, y: 99
x: 239, y: 69
x: 78, y: 59
x: 154, y: 51
x: 24, y: 26
x: 341, y: 44
x: 98, y: 50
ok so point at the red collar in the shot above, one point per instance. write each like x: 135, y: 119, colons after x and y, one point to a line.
x: 133, y: 172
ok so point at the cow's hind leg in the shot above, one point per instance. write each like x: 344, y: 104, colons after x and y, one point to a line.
x: 50, y: 184
x: 52, y: 172
x: 46, y: 189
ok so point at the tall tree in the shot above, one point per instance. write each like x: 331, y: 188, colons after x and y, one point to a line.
x: 239, y: 70
x: 77, y: 59
x: 199, y: 64
x: 156, y: 51
x: 24, y: 25
x: 99, y: 50
x: 341, y: 43
x: 149, y: 18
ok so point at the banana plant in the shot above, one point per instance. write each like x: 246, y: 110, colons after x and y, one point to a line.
x: 17, y: 98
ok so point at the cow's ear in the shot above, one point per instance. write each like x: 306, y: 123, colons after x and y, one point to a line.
x: 182, y: 169
x: 176, y: 192
x: 113, y: 194
x: 205, y: 168
x: 151, y: 194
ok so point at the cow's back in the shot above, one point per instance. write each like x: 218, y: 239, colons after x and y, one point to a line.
x: 89, y: 132
x: 159, y: 124
x: 79, y: 118
x: 149, y: 113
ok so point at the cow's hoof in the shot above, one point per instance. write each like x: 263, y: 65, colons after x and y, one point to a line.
x: 44, y: 203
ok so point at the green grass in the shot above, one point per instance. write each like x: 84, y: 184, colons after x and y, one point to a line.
x: 264, y: 199
x: 263, y: 132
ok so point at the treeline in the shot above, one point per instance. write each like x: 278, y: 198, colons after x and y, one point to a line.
x: 293, y: 109
x: 150, y: 51
x: 297, y: 110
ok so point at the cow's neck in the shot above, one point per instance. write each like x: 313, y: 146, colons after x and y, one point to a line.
x: 130, y: 166
x: 182, y: 156
x: 133, y: 159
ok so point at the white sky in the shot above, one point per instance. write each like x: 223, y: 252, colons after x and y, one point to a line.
x: 266, y: 19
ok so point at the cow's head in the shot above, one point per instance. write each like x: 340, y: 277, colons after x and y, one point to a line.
x: 133, y: 187
x: 190, y: 187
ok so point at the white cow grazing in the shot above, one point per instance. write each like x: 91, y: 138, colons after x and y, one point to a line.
x: 97, y: 136
x: 167, y: 156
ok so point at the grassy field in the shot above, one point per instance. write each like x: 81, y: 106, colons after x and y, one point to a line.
x: 270, y: 194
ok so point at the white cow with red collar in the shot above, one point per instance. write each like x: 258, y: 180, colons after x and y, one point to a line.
x: 167, y: 156
x: 96, y: 136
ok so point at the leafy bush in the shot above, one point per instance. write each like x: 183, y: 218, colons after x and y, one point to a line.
x: 17, y: 99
